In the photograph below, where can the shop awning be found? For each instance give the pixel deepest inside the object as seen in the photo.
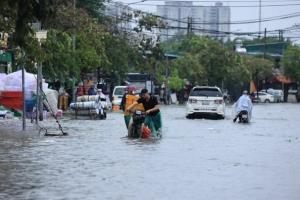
(283, 79)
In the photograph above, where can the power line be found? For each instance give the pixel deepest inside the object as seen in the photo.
(198, 29)
(231, 6)
(251, 21)
(231, 1)
(280, 17)
(274, 18)
(214, 31)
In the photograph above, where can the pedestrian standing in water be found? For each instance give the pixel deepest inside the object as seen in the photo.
(127, 100)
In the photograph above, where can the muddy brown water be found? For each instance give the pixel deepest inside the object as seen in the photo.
(195, 159)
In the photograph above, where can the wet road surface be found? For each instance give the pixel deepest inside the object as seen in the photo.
(195, 159)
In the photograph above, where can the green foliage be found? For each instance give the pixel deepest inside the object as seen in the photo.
(259, 68)
(189, 67)
(92, 7)
(17, 15)
(175, 83)
(118, 53)
(206, 61)
(291, 62)
(60, 62)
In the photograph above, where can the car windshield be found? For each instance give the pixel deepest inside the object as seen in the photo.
(119, 91)
(206, 92)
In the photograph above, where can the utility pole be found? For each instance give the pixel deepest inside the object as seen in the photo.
(74, 33)
(189, 26)
(23, 97)
(40, 87)
(265, 42)
(259, 19)
(74, 47)
(280, 35)
(167, 33)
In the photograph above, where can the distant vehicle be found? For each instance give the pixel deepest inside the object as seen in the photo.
(117, 94)
(293, 91)
(278, 94)
(140, 81)
(205, 100)
(263, 97)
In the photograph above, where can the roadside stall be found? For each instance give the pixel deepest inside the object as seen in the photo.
(11, 96)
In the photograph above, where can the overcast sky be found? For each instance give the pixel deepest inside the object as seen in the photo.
(248, 13)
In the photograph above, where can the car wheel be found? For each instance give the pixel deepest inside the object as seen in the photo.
(267, 101)
(189, 117)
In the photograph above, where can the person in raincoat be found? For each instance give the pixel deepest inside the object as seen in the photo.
(153, 116)
(243, 103)
(127, 100)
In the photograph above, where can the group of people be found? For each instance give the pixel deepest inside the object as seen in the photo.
(146, 102)
(150, 105)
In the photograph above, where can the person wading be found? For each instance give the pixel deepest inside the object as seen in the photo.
(127, 100)
(151, 106)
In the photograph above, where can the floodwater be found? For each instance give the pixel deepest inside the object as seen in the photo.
(195, 159)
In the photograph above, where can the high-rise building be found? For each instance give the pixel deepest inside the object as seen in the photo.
(183, 16)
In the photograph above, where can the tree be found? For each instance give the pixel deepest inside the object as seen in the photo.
(19, 14)
(92, 7)
(291, 62)
(60, 62)
(189, 67)
(175, 83)
(205, 60)
(259, 68)
(208, 62)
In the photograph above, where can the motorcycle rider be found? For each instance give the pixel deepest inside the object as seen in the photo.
(128, 99)
(151, 106)
(243, 103)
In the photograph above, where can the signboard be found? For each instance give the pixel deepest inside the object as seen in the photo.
(41, 35)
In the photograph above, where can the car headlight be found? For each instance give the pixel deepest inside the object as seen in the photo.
(220, 101)
(192, 101)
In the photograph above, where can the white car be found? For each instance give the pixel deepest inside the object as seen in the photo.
(205, 100)
(117, 94)
(278, 94)
(264, 97)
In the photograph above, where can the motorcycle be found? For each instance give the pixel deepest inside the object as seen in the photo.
(243, 116)
(136, 128)
(102, 108)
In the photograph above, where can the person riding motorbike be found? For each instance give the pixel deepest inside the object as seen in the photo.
(243, 104)
(153, 116)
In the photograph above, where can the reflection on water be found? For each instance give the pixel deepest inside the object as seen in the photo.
(195, 159)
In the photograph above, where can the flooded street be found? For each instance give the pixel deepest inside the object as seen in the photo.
(195, 159)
